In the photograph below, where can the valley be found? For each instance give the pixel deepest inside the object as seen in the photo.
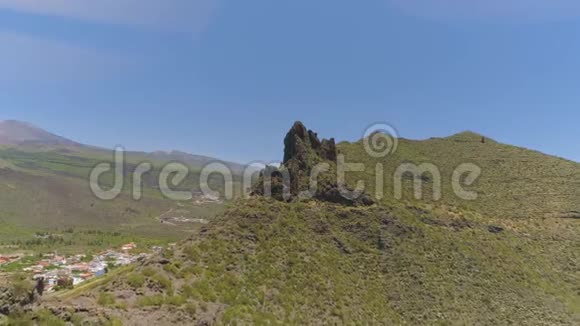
(273, 163)
(46, 204)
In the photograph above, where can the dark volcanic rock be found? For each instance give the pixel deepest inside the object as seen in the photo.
(333, 195)
(495, 229)
(300, 142)
(10, 301)
(303, 152)
(570, 215)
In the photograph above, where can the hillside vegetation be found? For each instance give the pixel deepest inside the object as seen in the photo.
(49, 191)
(515, 182)
(510, 257)
(44, 187)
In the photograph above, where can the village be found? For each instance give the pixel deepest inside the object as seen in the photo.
(5, 260)
(57, 272)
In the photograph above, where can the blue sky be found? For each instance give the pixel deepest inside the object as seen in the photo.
(227, 78)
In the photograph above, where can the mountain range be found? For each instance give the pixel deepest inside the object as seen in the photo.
(21, 133)
(509, 256)
(44, 182)
(17, 133)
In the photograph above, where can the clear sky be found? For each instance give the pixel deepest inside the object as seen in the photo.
(227, 77)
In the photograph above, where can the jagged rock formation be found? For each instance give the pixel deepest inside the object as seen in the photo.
(299, 141)
(303, 152)
(14, 300)
(6, 300)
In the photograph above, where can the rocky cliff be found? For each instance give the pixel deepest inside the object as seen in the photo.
(307, 160)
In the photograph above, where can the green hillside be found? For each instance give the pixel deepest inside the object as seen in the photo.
(46, 188)
(510, 257)
(515, 182)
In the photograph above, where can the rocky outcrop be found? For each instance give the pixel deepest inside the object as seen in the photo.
(301, 143)
(6, 300)
(11, 301)
(573, 215)
(495, 229)
(570, 215)
(303, 152)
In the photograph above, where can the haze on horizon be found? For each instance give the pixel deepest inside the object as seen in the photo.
(227, 79)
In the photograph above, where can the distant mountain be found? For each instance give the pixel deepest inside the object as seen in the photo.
(20, 133)
(183, 157)
(193, 160)
(44, 181)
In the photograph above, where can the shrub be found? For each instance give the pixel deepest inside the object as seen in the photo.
(171, 268)
(106, 299)
(192, 253)
(151, 301)
(203, 289)
(21, 285)
(163, 281)
(76, 320)
(45, 317)
(176, 300)
(191, 309)
(149, 271)
(136, 280)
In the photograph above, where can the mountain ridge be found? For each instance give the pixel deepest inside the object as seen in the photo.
(13, 132)
(20, 133)
(419, 262)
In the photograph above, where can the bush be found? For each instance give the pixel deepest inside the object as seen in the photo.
(171, 268)
(176, 300)
(107, 299)
(149, 271)
(136, 280)
(151, 301)
(43, 317)
(191, 309)
(203, 290)
(192, 253)
(21, 285)
(187, 272)
(163, 281)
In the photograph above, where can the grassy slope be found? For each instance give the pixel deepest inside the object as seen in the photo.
(317, 263)
(48, 189)
(515, 182)
(404, 262)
